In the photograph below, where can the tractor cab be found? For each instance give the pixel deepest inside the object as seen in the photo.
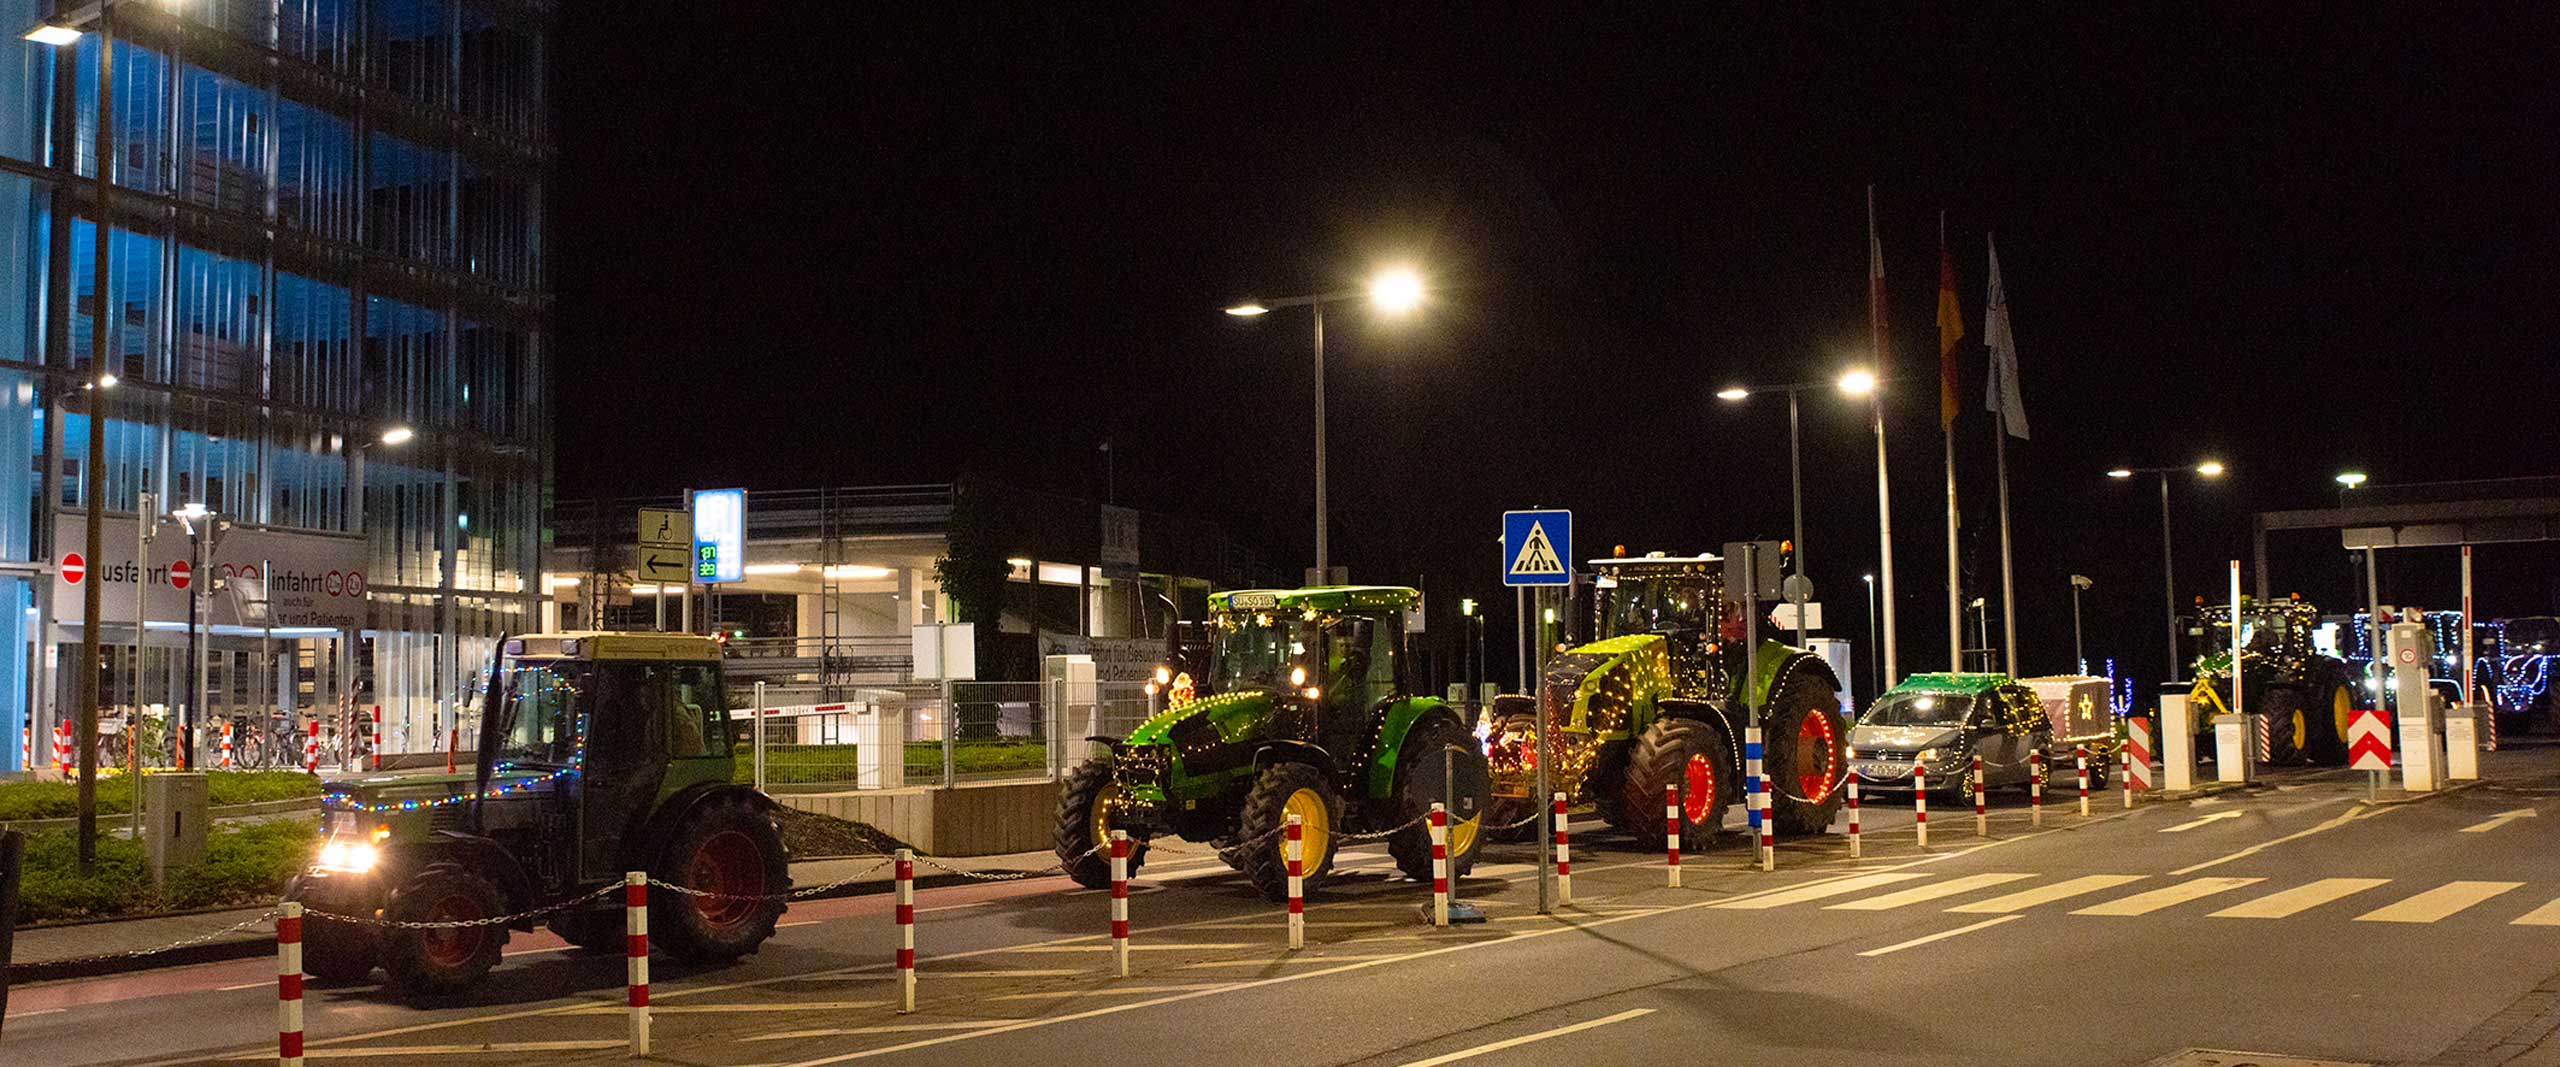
(1327, 660)
(1679, 599)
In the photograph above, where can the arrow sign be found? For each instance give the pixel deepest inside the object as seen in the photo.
(2369, 741)
(2215, 817)
(2500, 819)
(665, 564)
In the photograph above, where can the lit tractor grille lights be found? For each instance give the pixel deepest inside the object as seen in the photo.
(1141, 767)
(347, 802)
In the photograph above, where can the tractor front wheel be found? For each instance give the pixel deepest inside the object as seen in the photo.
(1696, 756)
(442, 958)
(1282, 790)
(726, 846)
(1088, 810)
(1805, 755)
(1422, 779)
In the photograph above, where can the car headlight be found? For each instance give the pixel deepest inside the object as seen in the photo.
(1926, 755)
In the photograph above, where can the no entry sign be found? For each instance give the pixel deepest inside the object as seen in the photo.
(180, 573)
(2369, 741)
(74, 568)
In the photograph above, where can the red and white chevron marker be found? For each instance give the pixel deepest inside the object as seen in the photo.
(1920, 802)
(1854, 849)
(1120, 901)
(2137, 743)
(289, 984)
(1564, 856)
(311, 749)
(1671, 832)
(2035, 787)
(906, 913)
(2369, 741)
(1981, 817)
(635, 950)
(1439, 865)
(1293, 851)
(2082, 754)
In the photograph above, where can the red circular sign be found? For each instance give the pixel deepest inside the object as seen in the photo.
(73, 567)
(355, 583)
(334, 584)
(179, 573)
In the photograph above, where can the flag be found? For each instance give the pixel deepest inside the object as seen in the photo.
(1875, 286)
(2001, 394)
(1950, 328)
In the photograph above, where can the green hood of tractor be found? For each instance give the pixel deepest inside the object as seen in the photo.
(1607, 687)
(1232, 715)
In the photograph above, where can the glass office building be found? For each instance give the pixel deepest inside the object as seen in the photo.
(323, 224)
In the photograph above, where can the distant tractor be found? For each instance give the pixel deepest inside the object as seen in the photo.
(1303, 706)
(1656, 699)
(599, 753)
(2306, 696)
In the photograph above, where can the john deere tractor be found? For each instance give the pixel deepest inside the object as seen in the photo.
(1656, 698)
(599, 753)
(1303, 707)
(2308, 696)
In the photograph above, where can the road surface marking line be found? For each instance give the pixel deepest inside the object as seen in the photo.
(1524, 1039)
(1940, 935)
(777, 926)
(2546, 915)
(2205, 821)
(268, 984)
(47, 1011)
(728, 1009)
(1266, 923)
(1204, 946)
(2437, 903)
(443, 1050)
(2299, 898)
(2021, 901)
(2167, 896)
(955, 907)
(2343, 818)
(889, 1028)
(1851, 884)
(1442, 937)
(2495, 821)
(1921, 893)
(1268, 961)
(509, 955)
(1120, 991)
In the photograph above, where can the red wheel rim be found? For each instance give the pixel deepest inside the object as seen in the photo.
(1817, 758)
(1699, 778)
(456, 946)
(730, 864)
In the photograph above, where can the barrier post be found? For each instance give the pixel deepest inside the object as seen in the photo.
(1439, 864)
(1981, 817)
(2035, 788)
(1920, 802)
(1120, 901)
(1564, 856)
(226, 744)
(906, 912)
(635, 941)
(1671, 832)
(373, 740)
(2124, 767)
(1293, 849)
(289, 984)
(311, 749)
(1854, 850)
(1755, 799)
(2083, 758)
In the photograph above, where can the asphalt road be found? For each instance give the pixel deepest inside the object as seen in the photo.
(2290, 918)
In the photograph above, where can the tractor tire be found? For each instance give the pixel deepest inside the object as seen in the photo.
(1282, 790)
(726, 845)
(1804, 754)
(1085, 805)
(334, 951)
(1693, 754)
(2283, 749)
(1514, 737)
(1418, 786)
(2326, 706)
(590, 931)
(424, 962)
(1605, 786)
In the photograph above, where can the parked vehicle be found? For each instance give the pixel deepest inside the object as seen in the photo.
(2306, 694)
(1942, 722)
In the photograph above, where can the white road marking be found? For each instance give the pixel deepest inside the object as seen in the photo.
(2213, 818)
(2546, 915)
(1940, 935)
(565, 948)
(1851, 884)
(1524, 1039)
(1114, 991)
(891, 1028)
(922, 969)
(30, 1014)
(1275, 924)
(442, 1050)
(1920, 893)
(268, 984)
(1268, 961)
(795, 922)
(1135, 946)
(2436, 903)
(2344, 817)
(2167, 896)
(2500, 819)
(2299, 898)
(734, 1009)
(2021, 901)
(955, 907)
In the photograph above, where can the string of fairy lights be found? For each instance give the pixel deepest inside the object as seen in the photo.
(551, 686)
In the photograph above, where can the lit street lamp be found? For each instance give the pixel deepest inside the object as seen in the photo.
(1797, 588)
(1863, 383)
(1395, 291)
(2168, 564)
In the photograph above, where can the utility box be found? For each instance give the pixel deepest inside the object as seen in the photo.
(2235, 755)
(174, 821)
(2462, 742)
(2177, 741)
(880, 745)
(2421, 723)
(1843, 661)
(1072, 708)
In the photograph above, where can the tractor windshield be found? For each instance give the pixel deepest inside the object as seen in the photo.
(2264, 631)
(1919, 709)
(538, 707)
(1653, 606)
(1253, 650)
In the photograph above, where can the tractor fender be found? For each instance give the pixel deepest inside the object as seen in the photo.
(1305, 752)
(672, 813)
(480, 855)
(1727, 716)
(1776, 662)
(1395, 721)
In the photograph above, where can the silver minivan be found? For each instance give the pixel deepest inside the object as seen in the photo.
(1943, 728)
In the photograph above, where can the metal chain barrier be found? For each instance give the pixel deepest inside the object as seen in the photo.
(459, 924)
(1530, 818)
(263, 919)
(790, 894)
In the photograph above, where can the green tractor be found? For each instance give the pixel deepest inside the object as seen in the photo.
(599, 753)
(1655, 699)
(1303, 707)
(2308, 696)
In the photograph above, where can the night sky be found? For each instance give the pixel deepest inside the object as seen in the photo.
(810, 244)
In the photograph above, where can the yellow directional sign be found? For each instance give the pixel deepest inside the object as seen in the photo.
(666, 546)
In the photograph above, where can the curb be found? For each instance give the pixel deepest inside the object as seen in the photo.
(234, 811)
(2406, 797)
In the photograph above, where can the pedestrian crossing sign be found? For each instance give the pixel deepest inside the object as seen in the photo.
(1537, 547)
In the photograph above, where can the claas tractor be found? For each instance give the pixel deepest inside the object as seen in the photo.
(599, 753)
(1656, 698)
(1302, 705)
(2307, 696)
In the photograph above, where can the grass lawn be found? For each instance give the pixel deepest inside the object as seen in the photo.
(243, 864)
(60, 800)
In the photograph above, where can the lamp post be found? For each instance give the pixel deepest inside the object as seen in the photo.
(2168, 563)
(1797, 588)
(1396, 290)
(2078, 583)
(1875, 685)
(1863, 383)
(204, 530)
(2371, 589)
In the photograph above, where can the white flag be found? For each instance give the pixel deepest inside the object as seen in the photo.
(2001, 393)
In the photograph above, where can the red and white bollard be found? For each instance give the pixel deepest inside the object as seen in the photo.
(1120, 901)
(2124, 762)
(1756, 799)
(2083, 757)
(289, 984)
(1293, 851)
(1439, 864)
(905, 860)
(1854, 849)
(1920, 802)
(373, 741)
(1564, 856)
(226, 744)
(635, 950)
(1981, 817)
(1671, 833)
(62, 748)
(311, 749)
(2035, 788)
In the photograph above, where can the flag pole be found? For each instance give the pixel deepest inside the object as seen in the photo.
(1947, 437)
(1884, 493)
(2008, 580)
(2010, 417)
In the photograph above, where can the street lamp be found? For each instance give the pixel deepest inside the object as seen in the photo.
(204, 530)
(1863, 383)
(2078, 583)
(1875, 684)
(1796, 588)
(2168, 565)
(1395, 290)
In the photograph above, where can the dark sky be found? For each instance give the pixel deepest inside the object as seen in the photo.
(805, 244)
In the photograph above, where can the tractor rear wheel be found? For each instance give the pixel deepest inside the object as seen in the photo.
(726, 846)
(1088, 809)
(2326, 706)
(1804, 745)
(442, 959)
(1693, 754)
(1419, 784)
(1282, 790)
(1513, 748)
(2288, 726)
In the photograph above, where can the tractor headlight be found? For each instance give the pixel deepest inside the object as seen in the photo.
(347, 857)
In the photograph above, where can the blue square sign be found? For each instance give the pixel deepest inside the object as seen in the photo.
(1537, 548)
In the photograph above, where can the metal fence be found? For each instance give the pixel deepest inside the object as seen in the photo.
(891, 737)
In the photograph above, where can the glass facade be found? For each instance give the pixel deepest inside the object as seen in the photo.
(324, 223)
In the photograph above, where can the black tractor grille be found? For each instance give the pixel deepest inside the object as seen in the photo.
(448, 817)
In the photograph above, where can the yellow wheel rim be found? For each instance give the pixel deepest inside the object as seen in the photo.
(1462, 836)
(1315, 822)
(2341, 709)
(2301, 730)
(1105, 801)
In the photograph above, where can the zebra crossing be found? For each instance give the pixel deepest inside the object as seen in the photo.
(2372, 900)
